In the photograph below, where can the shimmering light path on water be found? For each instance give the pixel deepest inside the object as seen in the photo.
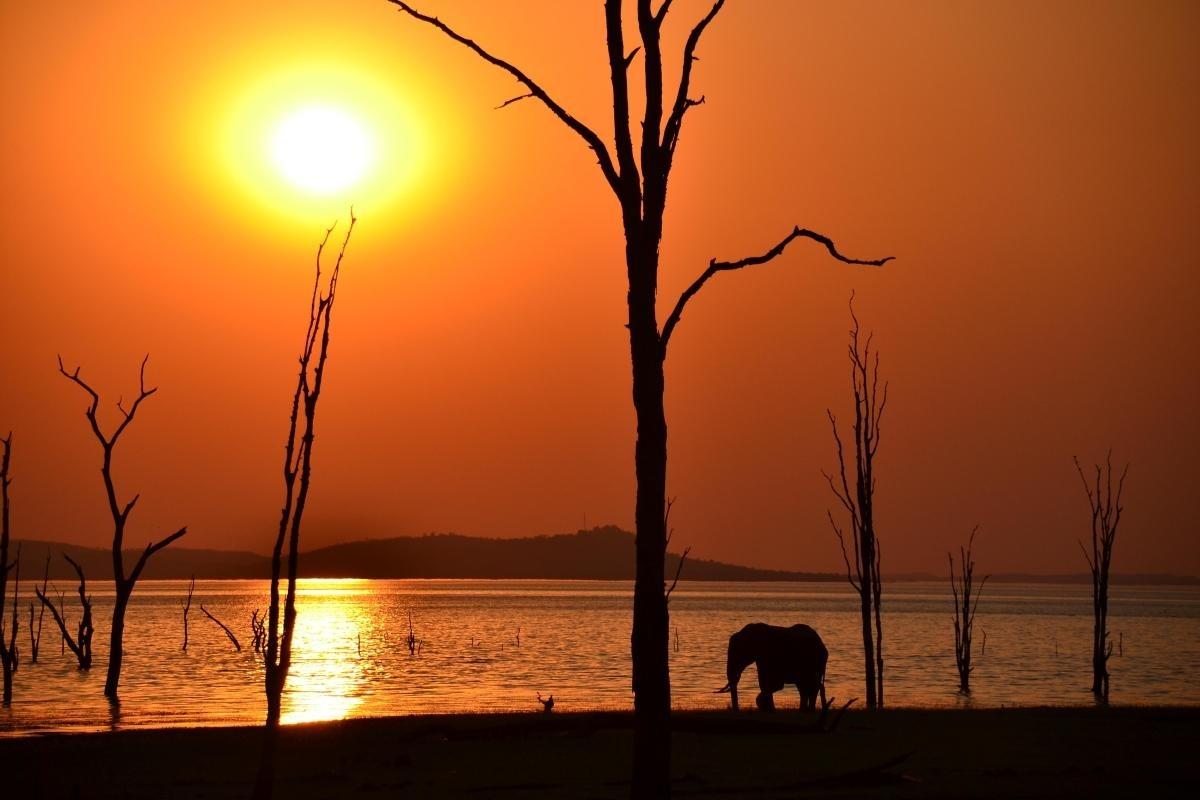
(351, 660)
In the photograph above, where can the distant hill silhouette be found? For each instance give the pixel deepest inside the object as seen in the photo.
(604, 553)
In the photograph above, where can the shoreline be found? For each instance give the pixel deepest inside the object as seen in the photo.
(1004, 752)
(470, 717)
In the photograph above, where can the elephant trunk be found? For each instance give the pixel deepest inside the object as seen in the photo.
(735, 675)
(739, 656)
(731, 690)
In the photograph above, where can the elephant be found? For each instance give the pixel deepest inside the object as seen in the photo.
(783, 655)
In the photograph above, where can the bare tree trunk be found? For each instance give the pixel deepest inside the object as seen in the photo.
(8, 649)
(35, 632)
(187, 606)
(123, 582)
(297, 465)
(1105, 504)
(868, 641)
(877, 604)
(859, 502)
(963, 589)
(638, 178)
(116, 646)
(651, 621)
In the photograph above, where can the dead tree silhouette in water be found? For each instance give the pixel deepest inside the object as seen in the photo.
(8, 649)
(233, 639)
(963, 588)
(297, 476)
(638, 178)
(258, 629)
(35, 632)
(81, 644)
(859, 501)
(187, 606)
(1106, 515)
(123, 582)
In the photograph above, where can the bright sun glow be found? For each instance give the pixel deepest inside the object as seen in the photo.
(303, 142)
(321, 150)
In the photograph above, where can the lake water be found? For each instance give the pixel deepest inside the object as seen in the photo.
(350, 658)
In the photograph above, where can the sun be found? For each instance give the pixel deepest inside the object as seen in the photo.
(321, 149)
(302, 142)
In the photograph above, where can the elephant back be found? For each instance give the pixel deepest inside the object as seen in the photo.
(810, 640)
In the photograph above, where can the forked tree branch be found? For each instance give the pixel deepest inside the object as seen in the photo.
(587, 134)
(715, 266)
(143, 393)
(150, 550)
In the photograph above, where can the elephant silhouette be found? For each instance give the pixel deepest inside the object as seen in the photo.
(793, 655)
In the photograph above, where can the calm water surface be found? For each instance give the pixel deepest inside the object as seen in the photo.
(350, 659)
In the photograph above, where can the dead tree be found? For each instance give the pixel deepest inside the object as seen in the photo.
(187, 606)
(1106, 515)
(638, 177)
(963, 588)
(81, 643)
(859, 501)
(411, 639)
(258, 629)
(8, 647)
(297, 477)
(233, 639)
(124, 582)
(35, 632)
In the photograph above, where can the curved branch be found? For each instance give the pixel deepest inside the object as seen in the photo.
(715, 266)
(681, 105)
(587, 134)
(237, 645)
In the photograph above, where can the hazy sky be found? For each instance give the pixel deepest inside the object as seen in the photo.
(1031, 165)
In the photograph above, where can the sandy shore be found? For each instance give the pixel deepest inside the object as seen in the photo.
(1123, 752)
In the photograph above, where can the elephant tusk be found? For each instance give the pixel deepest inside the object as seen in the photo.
(724, 690)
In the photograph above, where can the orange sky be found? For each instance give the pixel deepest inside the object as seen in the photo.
(1032, 166)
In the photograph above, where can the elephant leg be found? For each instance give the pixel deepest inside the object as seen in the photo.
(806, 700)
(767, 686)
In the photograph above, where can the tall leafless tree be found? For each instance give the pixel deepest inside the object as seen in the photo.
(859, 501)
(8, 649)
(297, 477)
(1105, 504)
(124, 582)
(638, 177)
(81, 643)
(963, 588)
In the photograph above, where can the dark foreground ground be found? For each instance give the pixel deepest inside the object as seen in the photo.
(1127, 752)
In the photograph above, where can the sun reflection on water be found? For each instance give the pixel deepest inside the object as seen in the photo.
(326, 680)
